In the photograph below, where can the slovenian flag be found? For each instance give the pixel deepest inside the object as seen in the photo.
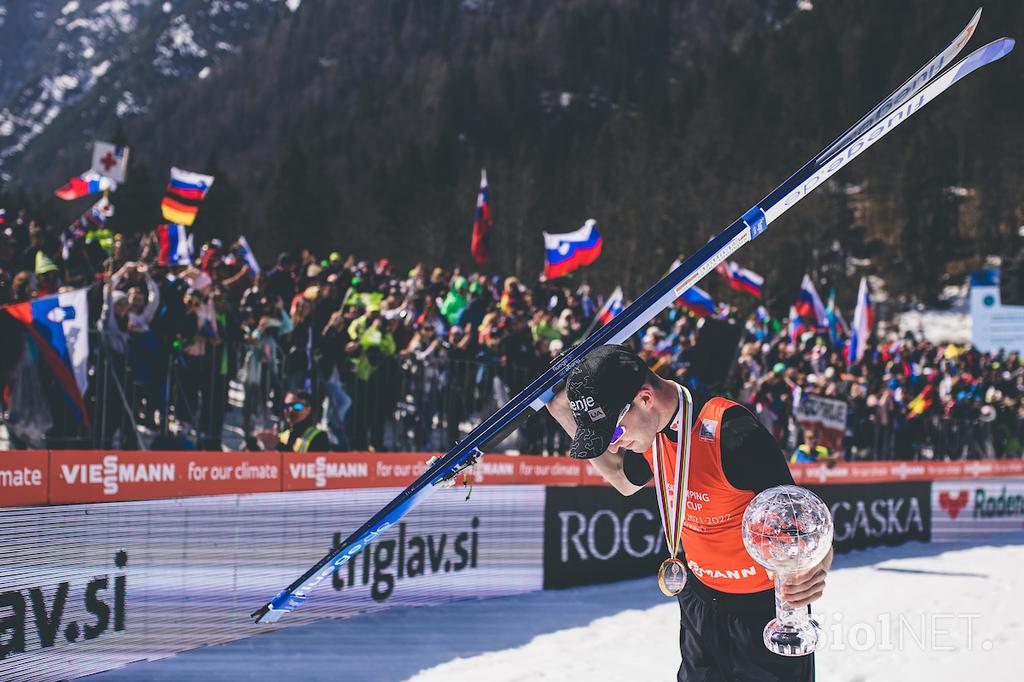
(569, 250)
(863, 323)
(89, 182)
(247, 254)
(698, 302)
(185, 193)
(482, 223)
(175, 245)
(59, 325)
(741, 279)
(809, 305)
(611, 308)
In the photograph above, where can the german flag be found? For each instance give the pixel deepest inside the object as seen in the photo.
(185, 192)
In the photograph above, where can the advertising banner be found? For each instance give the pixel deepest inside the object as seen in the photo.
(879, 514)
(974, 509)
(340, 470)
(67, 477)
(90, 587)
(596, 535)
(881, 472)
(23, 478)
(97, 476)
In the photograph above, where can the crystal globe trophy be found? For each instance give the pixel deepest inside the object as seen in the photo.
(788, 530)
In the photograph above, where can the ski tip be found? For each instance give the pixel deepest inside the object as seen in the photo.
(968, 31)
(266, 614)
(986, 54)
(998, 49)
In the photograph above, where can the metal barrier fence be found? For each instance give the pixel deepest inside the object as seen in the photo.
(162, 396)
(940, 438)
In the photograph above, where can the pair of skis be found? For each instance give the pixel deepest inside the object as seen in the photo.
(924, 86)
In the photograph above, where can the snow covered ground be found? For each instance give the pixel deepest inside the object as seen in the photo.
(915, 612)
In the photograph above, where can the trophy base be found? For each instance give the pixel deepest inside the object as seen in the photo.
(797, 639)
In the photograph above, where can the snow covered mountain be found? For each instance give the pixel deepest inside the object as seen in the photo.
(70, 68)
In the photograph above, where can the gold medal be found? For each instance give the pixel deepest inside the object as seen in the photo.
(672, 577)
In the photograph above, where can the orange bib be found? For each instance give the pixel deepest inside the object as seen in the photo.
(712, 538)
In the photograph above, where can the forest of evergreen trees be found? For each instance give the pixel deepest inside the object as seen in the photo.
(362, 126)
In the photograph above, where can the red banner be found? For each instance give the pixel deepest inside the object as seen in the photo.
(334, 470)
(90, 476)
(23, 478)
(62, 477)
(880, 472)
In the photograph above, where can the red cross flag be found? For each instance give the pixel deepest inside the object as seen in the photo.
(110, 160)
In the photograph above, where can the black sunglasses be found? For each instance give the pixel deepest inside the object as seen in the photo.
(297, 406)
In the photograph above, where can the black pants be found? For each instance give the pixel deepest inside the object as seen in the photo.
(720, 640)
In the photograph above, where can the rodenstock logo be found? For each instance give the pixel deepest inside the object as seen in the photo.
(953, 504)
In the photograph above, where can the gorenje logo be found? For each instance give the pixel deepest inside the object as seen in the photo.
(996, 506)
(409, 556)
(112, 472)
(583, 404)
(14, 606)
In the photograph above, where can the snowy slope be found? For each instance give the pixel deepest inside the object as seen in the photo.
(919, 612)
(889, 614)
(91, 62)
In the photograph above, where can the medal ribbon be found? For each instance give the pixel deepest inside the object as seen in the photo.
(673, 511)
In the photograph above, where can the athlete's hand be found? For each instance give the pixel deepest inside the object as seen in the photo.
(807, 587)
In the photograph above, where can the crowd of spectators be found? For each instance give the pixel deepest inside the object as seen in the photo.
(410, 359)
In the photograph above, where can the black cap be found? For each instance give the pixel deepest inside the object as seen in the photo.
(598, 389)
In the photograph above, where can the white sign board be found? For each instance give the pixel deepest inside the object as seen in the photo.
(90, 587)
(994, 326)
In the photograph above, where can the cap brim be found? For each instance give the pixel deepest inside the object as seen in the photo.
(591, 442)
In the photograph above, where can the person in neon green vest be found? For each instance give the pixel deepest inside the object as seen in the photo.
(811, 450)
(302, 434)
(371, 340)
(372, 344)
(456, 300)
